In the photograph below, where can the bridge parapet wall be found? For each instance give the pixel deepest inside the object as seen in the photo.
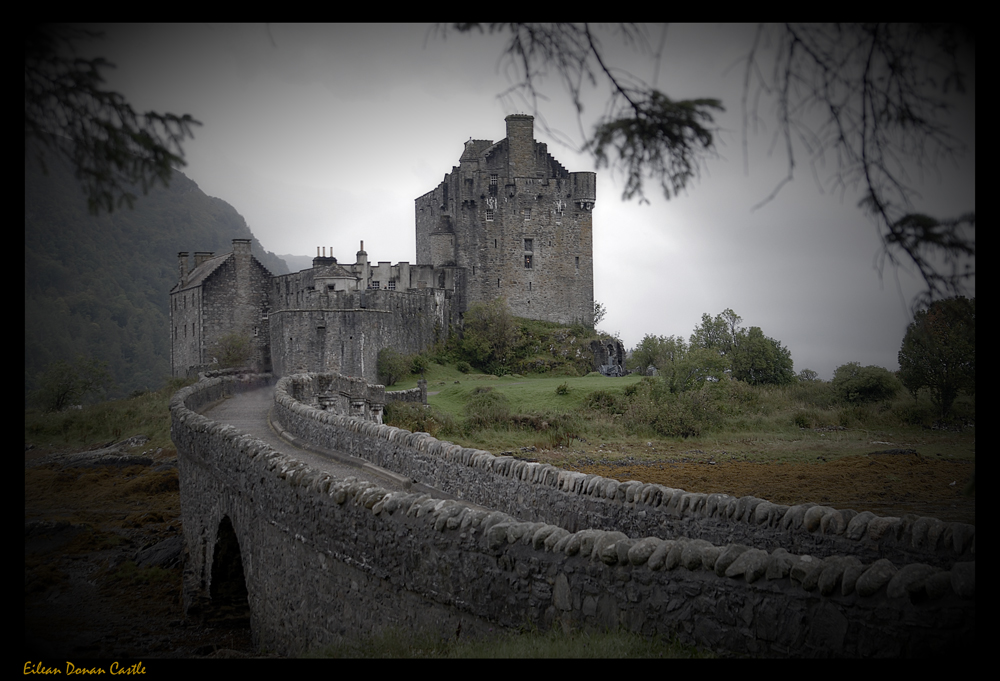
(326, 558)
(544, 493)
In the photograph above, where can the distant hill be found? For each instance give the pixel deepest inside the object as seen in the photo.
(297, 263)
(98, 286)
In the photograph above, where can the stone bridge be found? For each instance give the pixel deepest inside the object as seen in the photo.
(480, 542)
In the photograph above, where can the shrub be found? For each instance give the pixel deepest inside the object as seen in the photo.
(419, 418)
(855, 384)
(604, 401)
(419, 364)
(562, 389)
(63, 384)
(391, 366)
(464, 367)
(674, 418)
(232, 350)
(486, 408)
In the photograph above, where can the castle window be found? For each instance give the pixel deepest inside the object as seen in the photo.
(527, 262)
(489, 215)
(375, 285)
(392, 285)
(529, 244)
(493, 179)
(577, 262)
(527, 213)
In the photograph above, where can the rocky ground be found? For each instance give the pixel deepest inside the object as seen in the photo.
(102, 543)
(102, 556)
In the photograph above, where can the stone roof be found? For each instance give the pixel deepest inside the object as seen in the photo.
(198, 275)
(333, 270)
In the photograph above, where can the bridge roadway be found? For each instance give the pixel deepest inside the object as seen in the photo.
(251, 413)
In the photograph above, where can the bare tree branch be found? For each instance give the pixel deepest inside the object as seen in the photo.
(66, 112)
(869, 97)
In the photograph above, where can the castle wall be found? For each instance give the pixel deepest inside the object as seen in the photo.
(185, 331)
(344, 331)
(326, 559)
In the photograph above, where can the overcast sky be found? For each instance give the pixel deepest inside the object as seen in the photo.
(323, 135)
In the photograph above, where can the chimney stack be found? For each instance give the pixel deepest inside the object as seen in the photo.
(182, 264)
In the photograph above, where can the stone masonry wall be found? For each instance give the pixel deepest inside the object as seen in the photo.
(326, 558)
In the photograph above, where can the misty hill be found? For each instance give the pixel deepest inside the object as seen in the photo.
(97, 286)
(297, 263)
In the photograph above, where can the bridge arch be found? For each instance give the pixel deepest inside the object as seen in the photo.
(229, 602)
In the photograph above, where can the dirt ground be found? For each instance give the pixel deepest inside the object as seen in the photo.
(86, 525)
(85, 597)
(887, 484)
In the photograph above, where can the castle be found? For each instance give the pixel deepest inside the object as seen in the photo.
(508, 221)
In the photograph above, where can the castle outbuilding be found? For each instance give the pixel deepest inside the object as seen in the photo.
(508, 221)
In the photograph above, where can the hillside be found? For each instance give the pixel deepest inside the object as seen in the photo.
(96, 286)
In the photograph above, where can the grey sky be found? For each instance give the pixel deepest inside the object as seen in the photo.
(323, 135)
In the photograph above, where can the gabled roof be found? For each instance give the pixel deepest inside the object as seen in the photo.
(334, 270)
(198, 275)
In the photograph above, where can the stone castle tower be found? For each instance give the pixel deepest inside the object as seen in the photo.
(519, 225)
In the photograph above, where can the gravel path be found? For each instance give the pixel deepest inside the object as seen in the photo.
(250, 413)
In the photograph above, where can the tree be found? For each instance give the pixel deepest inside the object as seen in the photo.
(391, 366)
(599, 313)
(856, 384)
(63, 384)
(939, 351)
(232, 350)
(717, 334)
(759, 360)
(807, 376)
(657, 351)
(748, 354)
(868, 95)
(66, 112)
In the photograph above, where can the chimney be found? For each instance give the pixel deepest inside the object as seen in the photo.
(182, 264)
(201, 256)
(324, 259)
(241, 246)
(521, 145)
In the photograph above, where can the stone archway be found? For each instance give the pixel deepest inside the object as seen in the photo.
(229, 605)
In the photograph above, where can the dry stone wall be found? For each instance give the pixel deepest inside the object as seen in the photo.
(326, 558)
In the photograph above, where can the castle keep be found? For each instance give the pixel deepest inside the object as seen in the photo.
(517, 224)
(508, 221)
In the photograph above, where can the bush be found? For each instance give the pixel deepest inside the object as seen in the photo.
(464, 367)
(232, 350)
(63, 384)
(486, 408)
(419, 418)
(562, 389)
(855, 384)
(419, 364)
(391, 366)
